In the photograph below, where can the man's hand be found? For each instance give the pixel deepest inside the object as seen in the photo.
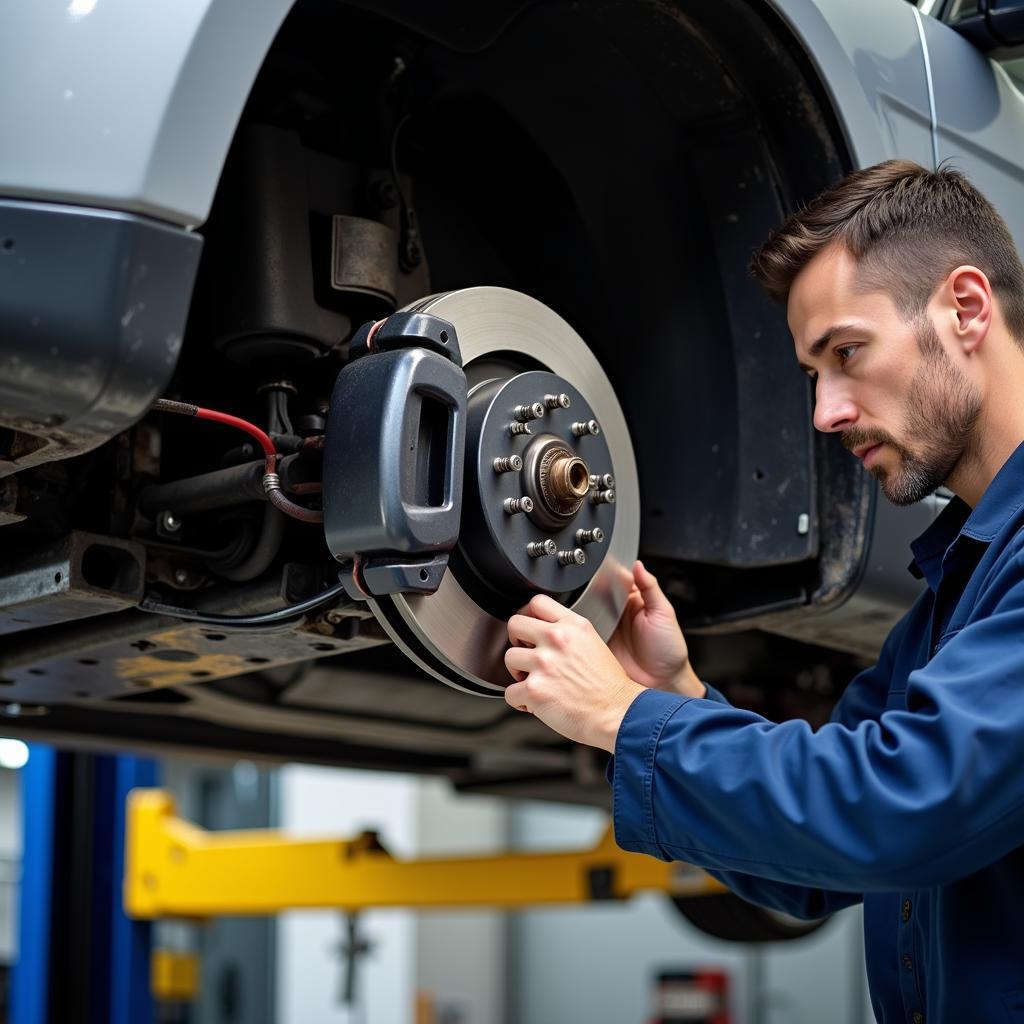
(567, 675)
(649, 643)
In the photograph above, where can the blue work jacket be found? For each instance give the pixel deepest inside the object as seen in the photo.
(911, 799)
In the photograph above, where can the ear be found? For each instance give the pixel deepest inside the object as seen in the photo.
(970, 296)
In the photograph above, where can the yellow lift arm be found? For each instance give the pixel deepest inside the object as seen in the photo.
(174, 869)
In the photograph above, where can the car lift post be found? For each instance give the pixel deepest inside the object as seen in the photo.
(174, 869)
(80, 958)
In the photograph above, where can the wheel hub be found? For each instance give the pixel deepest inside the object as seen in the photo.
(509, 516)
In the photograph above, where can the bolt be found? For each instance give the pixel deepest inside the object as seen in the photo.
(537, 548)
(603, 497)
(169, 522)
(607, 481)
(334, 616)
(519, 428)
(508, 464)
(525, 413)
(803, 523)
(514, 505)
(590, 427)
(562, 401)
(181, 576)
(594, 536)
(575, 557)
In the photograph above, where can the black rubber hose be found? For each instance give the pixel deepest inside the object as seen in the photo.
(263, 553)
(220, 489)
(278, 617)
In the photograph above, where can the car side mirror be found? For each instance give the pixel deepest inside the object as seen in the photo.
(990, 24)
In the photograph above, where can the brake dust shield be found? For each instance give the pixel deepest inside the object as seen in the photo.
(539, 400)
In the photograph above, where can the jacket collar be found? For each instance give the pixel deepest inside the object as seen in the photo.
(1002, 498)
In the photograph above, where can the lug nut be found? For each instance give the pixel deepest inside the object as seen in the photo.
(604, 497)
(508, 464)
(575, 557)
(594, 536)
(590, 427)
(525, 413)
(514, 505)
(537, 548)
(562, 401)
(519, 428)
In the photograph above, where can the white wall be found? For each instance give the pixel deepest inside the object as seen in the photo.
(461, 956)
(10, 861)
(328, 802)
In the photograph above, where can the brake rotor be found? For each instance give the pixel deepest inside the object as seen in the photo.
(560, 515)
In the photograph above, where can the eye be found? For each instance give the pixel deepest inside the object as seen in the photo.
(845, 352)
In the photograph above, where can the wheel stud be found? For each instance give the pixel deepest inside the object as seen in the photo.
(525, 413)
(590, 427)
(603, 497)
(508, 464)
(514, 505)
(594, 536)
(538, 548)
(519, 428)
(575, 557)
(562, 401)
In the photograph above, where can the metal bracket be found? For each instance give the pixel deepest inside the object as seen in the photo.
(175, 869)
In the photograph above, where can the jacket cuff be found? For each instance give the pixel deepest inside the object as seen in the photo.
(631, 771)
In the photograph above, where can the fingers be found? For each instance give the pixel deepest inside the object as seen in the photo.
(519, 661)
(524, 629)
(653, 595)
(546, 608)
(515, 696)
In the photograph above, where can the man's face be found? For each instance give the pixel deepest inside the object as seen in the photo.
(888, 387)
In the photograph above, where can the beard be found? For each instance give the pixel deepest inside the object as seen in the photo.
(942, 412)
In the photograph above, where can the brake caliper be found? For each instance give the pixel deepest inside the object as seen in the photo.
(393, 456)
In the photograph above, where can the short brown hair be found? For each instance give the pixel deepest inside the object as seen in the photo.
(907, 228)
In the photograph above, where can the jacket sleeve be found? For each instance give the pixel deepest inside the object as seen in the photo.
(863, 698)
(912, 797)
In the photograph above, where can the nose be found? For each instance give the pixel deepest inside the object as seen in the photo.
(834, 410)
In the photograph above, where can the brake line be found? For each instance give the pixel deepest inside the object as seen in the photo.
(279, 617)
(271, 479)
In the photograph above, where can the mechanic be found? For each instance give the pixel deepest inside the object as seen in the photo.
(905, 298)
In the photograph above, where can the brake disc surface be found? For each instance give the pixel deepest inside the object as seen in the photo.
(517, 352)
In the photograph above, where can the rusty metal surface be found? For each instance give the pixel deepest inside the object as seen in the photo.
(80, 576)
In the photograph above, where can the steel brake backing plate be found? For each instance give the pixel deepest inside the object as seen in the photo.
(550, 497)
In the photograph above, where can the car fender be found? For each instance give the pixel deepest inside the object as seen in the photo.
(125, 105)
